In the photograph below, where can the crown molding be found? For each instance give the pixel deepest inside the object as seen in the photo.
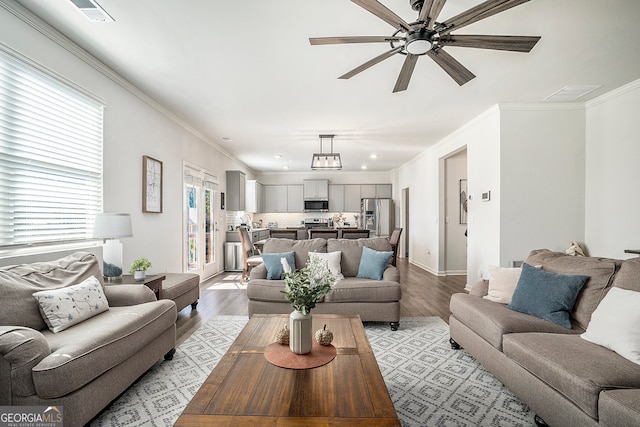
(622, 90)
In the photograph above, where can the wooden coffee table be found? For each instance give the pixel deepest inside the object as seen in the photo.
(245, 389)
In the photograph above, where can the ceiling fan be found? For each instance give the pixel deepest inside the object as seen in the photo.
(428, 37)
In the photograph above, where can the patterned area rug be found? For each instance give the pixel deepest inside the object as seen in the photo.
(430, 384)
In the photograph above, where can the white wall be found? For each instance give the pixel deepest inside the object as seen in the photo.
(613, 173)
(542, 175)
(133, 126)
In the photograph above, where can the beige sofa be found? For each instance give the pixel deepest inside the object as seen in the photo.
(82, 368)
(565, 379)
(373, 300)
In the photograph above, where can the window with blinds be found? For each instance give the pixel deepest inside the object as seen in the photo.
(50, 156)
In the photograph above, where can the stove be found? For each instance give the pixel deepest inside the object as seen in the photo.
(316, 222)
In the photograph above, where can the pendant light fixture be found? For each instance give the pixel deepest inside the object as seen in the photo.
(326, 161)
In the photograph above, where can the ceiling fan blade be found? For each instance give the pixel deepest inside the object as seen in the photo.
(424, 12)
(430, 11)
(384, 13)
(456, 70)
(510, 43)
(353, 39)
(405, 73)
(371, 62)
(477, 13)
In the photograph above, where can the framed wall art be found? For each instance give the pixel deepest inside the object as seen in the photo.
(463, 201)
(151, 185)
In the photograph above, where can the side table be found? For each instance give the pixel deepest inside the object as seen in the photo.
(152, 281)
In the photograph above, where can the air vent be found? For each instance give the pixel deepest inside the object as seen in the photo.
(92, 10)
(571, 93)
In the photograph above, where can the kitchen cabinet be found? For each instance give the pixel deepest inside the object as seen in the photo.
(295, 198)
(254, 200)
(275, 198)
(258, 234)
(317, 189)
(336, 198)
(236, 181)
(375, 191)
(352, 198)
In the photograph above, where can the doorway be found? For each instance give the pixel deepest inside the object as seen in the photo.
(404, 223)
(455, 213)
(200, 225)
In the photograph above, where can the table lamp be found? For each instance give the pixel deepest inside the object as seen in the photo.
(110, 227)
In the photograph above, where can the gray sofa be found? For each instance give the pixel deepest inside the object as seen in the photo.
(565, 379)
(373, 300)
(82, 368)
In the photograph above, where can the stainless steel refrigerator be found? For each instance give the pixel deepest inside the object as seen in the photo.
(377, 215)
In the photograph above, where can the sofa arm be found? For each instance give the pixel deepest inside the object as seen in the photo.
(258, 272)
(21, 349)
(480, 289)
(391, 274)
(124, 295)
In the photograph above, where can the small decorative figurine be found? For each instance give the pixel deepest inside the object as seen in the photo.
(282, 337)
(324, 336)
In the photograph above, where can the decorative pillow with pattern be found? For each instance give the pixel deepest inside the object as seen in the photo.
(64, 307)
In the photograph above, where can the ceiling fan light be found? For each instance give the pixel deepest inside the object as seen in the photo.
(418, 46)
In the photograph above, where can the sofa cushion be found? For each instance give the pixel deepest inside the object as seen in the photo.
(616, 324)
(577, 369)
(87, 350)
(364, 290)
(176, 284)
(19, 282)
(301, 248)
(619, 407)
(629, 275)
(65, 307)
(502, 283)
(600, 271)
(333, 262)
(267, 290)
(352, 251)
(547, 295)
(273, 262)
(373, 263)
(493, 321)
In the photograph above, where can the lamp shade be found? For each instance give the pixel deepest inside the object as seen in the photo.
(112, 226)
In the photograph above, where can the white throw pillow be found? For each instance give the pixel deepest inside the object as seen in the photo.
(502, 283)
(64, 307)
(333, 259)
(615, 323)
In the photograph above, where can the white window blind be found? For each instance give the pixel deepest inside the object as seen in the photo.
(50, 157)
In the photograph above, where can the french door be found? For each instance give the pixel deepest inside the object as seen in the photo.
(200, 225)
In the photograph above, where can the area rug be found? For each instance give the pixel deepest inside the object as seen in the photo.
(430, 384)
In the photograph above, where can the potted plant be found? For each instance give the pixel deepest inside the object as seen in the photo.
(139, 267)
(303, 289)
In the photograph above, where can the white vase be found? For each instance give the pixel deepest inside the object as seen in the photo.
(300, 333)
(139, 275)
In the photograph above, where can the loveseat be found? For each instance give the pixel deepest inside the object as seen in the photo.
(372, 299)
(85, 365)
(565, 377)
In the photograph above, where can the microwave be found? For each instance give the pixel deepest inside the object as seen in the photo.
(316, 205)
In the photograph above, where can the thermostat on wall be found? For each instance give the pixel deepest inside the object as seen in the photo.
(486, 196)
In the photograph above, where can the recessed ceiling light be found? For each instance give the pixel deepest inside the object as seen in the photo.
(363, 167)
(285, 167)
(278, 156)
(226, 138)
(374, 156)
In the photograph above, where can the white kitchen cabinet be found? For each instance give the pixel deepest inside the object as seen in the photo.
(254, 200)
(383, 191)
(317, 189)
(236, 182)
(352, 198)
(275, 198)
(336, 198)
(295, 198)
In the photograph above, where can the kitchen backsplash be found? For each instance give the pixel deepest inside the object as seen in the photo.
(284, 220)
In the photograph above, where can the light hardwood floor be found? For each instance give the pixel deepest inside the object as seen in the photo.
(423, 294)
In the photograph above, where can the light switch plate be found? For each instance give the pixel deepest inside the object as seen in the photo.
(486, 196)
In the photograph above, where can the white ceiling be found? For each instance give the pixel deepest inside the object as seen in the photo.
(245, 70)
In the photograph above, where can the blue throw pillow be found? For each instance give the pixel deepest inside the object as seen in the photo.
(547, 295)
(274, 266)
(373, 263)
